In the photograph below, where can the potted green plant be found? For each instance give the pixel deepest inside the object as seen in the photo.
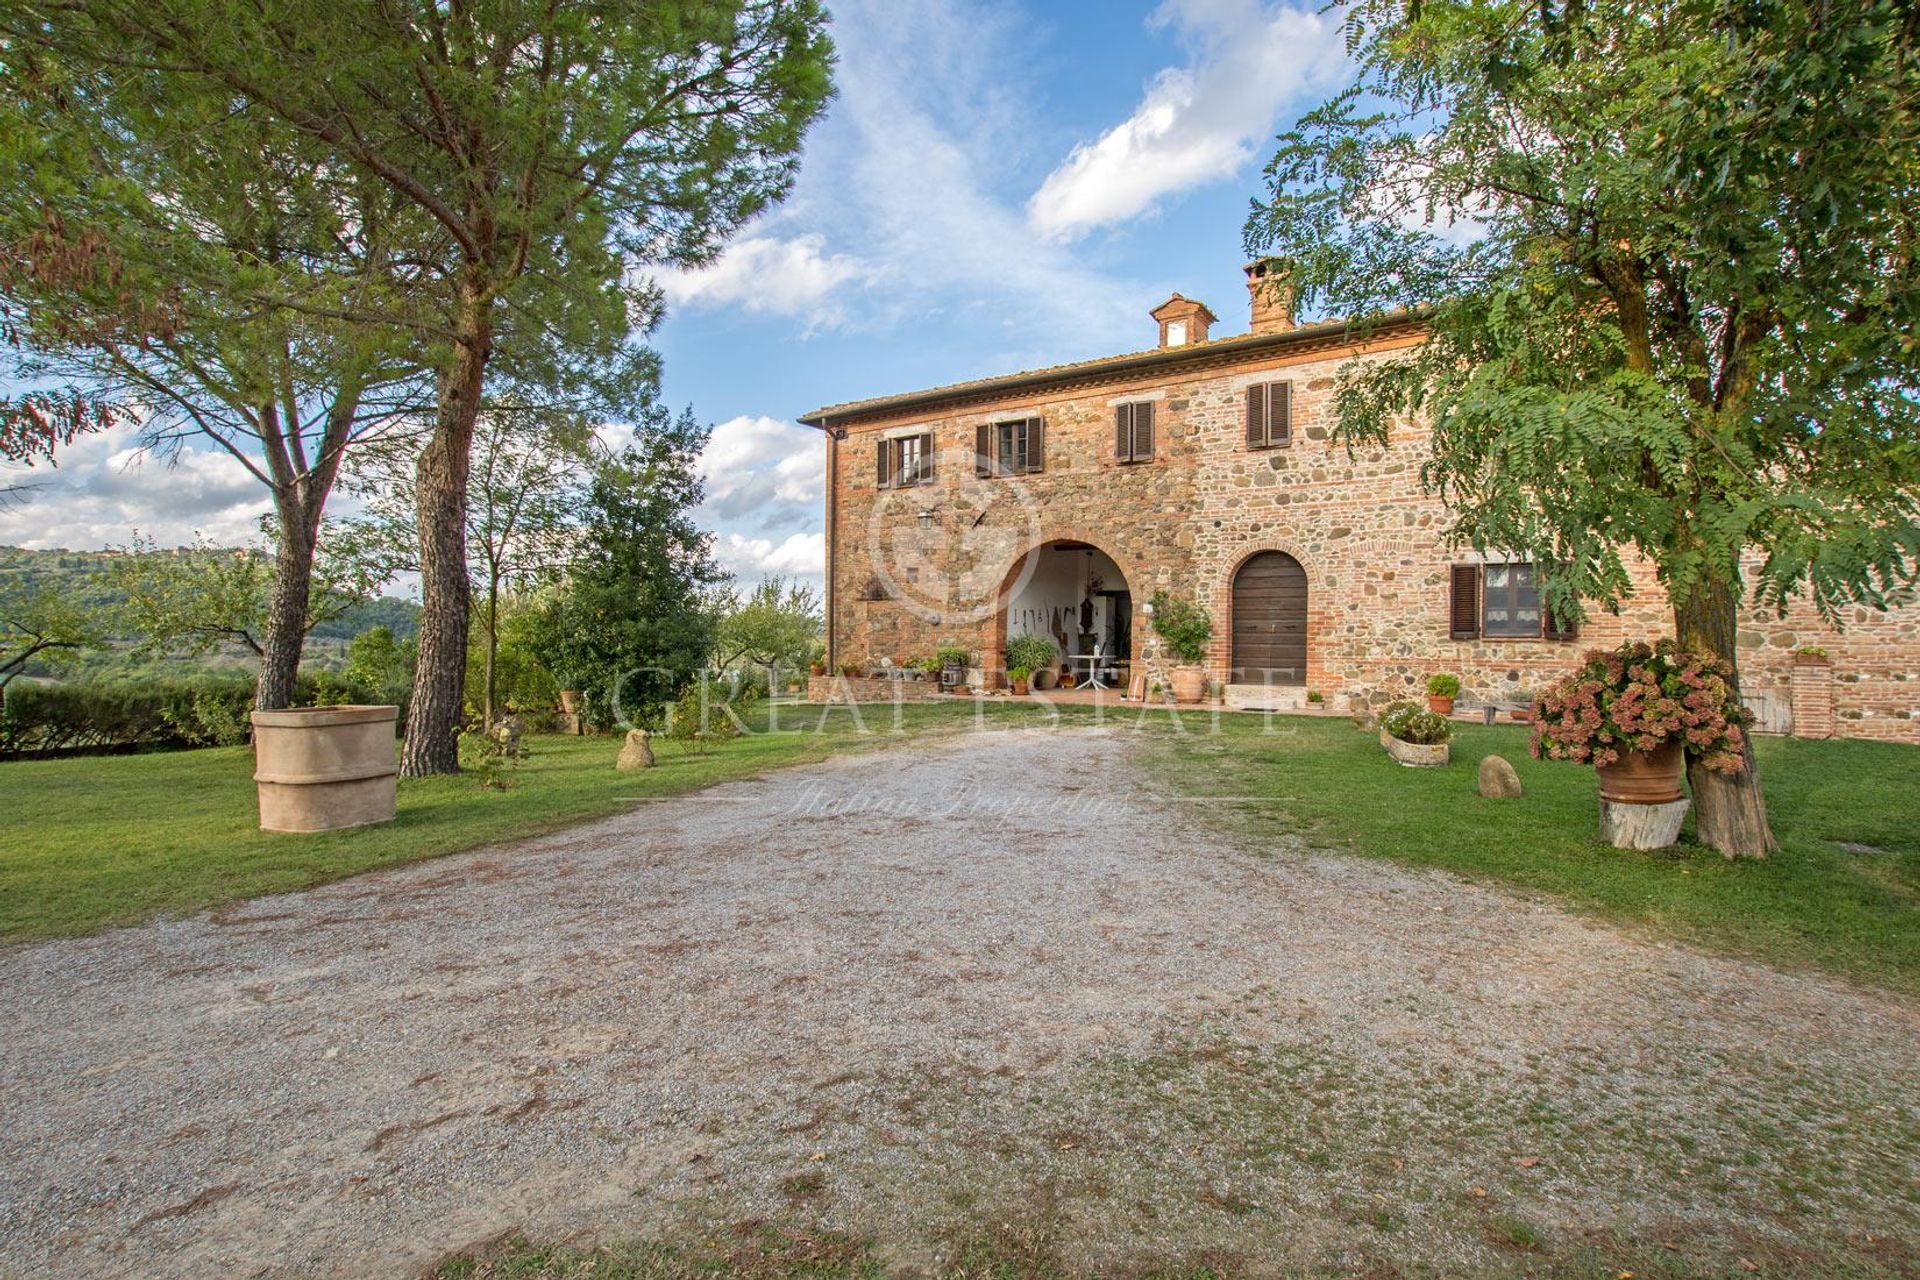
(1186, 627)
(1037, 655)
(1018, 676)
(1442, 689)
(954, 660)
(1637, 714)
(1415, 738)
(851, 669)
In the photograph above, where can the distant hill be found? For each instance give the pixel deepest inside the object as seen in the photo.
(74, 574)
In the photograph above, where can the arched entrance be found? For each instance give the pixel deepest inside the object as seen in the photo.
(1270, 620)
(1078, 597)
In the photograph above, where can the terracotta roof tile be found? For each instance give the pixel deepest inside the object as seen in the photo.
(1196, 352)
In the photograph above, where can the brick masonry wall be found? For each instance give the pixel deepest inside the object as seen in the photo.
(917, 567)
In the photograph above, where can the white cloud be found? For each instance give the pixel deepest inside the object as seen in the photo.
(105, 488)
(764, 480)
(1199, 123)
(924, 164)
(766, 275)
(802, 555)
(755, 465)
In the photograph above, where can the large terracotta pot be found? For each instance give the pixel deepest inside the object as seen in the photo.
(1045, 678)
(323, 768)
(1644, 777)
(1189, 683)
(1438, 705)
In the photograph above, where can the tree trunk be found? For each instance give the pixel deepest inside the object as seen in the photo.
(493, 648)
(440, 675)
(1729, 810)
(287, 610)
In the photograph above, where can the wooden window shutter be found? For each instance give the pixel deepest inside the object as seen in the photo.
(983, 450)
(886, 464)
(1554, 627)
(1036, 445)
(1280, 413)
(1123, 433)
(1257, 416)
(1143, 432)
(926, 456)
(1464, 602)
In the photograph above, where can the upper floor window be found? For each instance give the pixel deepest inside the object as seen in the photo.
(1133, 432)
(1009, 448)
(1501, 602)
(905, 460)
(1269, 415)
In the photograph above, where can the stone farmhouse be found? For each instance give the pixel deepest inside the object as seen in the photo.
(1060, 500)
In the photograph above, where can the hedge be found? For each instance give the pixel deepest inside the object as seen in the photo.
(201, 711)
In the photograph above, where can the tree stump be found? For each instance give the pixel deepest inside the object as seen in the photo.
(1641, 826)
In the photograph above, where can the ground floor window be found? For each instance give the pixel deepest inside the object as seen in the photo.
(1510, 603)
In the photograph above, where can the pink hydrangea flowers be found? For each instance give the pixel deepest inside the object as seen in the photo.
(1636, 698)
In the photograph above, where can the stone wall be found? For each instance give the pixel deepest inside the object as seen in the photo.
(922, 565)
(867, 689)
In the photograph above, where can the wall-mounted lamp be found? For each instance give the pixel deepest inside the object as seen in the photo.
(926, 518)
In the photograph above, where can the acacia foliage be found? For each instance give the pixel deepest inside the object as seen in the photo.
(1666, 258)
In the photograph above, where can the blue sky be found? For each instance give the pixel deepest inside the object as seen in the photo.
(998, 185)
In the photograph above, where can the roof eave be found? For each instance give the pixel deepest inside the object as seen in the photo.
(989, 388)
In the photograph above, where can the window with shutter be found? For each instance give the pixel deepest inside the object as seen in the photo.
(1464, 602)
(905, 460)
(1133, 432)
(1269, 415)
(1008, 448)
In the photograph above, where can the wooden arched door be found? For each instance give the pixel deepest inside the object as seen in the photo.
(1270, 620)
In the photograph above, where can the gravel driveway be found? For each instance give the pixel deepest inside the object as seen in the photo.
(997, 975)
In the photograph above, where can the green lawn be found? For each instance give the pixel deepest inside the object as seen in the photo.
(1843, 893)
(105, 840)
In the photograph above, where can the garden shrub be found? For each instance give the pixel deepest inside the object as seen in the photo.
(1184, 625)
(60, 719)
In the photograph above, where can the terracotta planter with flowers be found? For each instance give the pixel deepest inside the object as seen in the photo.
(1637, 714)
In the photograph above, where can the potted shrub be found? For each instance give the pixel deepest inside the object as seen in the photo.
(851, 669)
(1442, 689)
(1636, 714)
(1036, 654)
(954, 661)
(1186, 627)
(1415, 738)
(1019, 676)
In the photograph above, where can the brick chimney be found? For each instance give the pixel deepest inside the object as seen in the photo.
(1271, 296)
(1182, 321)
